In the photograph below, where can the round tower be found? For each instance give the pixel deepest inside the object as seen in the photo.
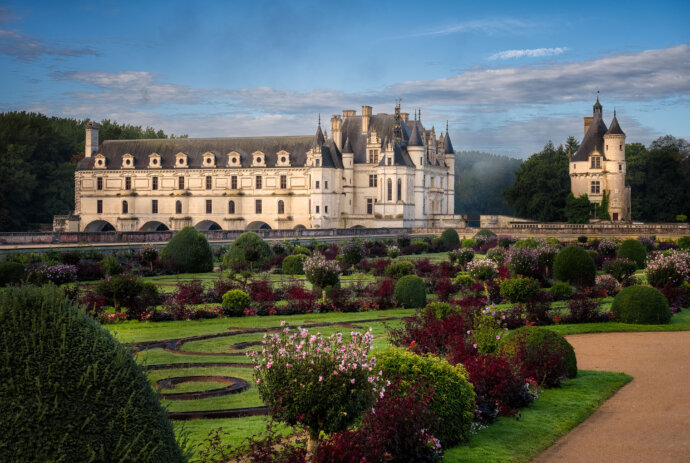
(614, 153)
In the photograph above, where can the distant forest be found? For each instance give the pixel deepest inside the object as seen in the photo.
(38, 155)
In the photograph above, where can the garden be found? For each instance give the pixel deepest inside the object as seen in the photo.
(406, 349)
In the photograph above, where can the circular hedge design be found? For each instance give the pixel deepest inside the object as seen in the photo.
(641, 304)
(574, 265)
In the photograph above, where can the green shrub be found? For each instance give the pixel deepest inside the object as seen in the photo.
(321, 272)
(561, 291)
(641, 304)
(485, 233)
(234, 302)
(450, 237)
(11, 273)
(520, 289)
(292, 265)
(582, 239)
(461, 256)
(468, 243)
(453, 402)
(149, 254)
(410, 292)
(541, 354)
(189, 251)
(633, 250)
(111, 266)
(684, 242)
(620, 269)
(574, 265)
(301, 250)
(353, 252)
(321, 247)
(424, 244)
(120, 290)
(440, 309)
(69, 391)
(400, 268)
(393, 252)
(464, 280)
(248, 252)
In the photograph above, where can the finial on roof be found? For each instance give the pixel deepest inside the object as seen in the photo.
(319, 119)
(446, 125)
(420, 114)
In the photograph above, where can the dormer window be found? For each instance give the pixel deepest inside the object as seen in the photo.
(209, 160)
(127, 161)
(234, 159)
(181, 160)
(317, 162)
(99, 161)
(154, 161)
(282, 158)
(258, 159)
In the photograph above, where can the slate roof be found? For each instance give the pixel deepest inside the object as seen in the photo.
(594, 139)
(615, 128)
(415, 137)
(447, 145)
(383, 125)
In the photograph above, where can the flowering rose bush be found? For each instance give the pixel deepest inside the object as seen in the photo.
(607, 248)
(321, 272)
(523, 261)
(482, 269)
(58, 274)
(672, 268)
(323, 383)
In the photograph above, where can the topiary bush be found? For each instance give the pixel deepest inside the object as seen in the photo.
(450, 237)
(468, 243)
(301, 250)
(641, 304)
(561, 291)
(519, 289)
(453, 401)
(189, 251)
(292, 265)
(248, 252)
(574, 265)
(540, 354)
(11, 273)
(634, 250)
(399, 269)
(234, 302)
(410, 292)
(70, 391)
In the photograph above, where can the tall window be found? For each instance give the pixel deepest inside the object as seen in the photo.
(258, 182)
(325, 209)
(233, 182)
(317, 162)
(178, 207)
(180, 183)
(154, 183)
(99, 183)
(373, 181)
(390, 160)
(258, 206)
(99, 206)
(390, 190)
(209, 182)
(317, 184)
(620, 167)
(281, 207)
(596, 188)
(209, 206)
(231, 207)
(125, 207)
(325, 184)
(128, 183)
(370, 206)
(399, 190)
(596, 162)
(317, 208)
(154, 206)
(283, 181)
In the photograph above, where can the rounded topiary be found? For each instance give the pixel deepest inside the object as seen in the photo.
(353, 252)
(574, 265)
(399, 269)
(641, 304)
(468, 243)
(189, 251)
(540, 354)
(519, 289)
(450, 237)
(453, 401)
(292, 265)
(70, 391)
(561, 291)
(410, 292)
(684, 242)
(235, 301)
(301, 250)
(248, 251)
(11, 273)
(634, 250)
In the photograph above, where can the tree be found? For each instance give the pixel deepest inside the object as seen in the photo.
(603, 213)
(479, 180)
(542, 185)
(577, 209)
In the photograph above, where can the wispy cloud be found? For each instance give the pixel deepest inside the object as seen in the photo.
(486, 26)
(528, 52)
(27, 48)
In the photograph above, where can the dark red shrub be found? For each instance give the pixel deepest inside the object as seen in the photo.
(89, 271)
(382, 293)
(583, 309)
(299, 299)
(261, 292)
(92, 303)
(677, 297)
(412, 249)
(444, 289)
(379, 266)
(377, 249)
(332, 252)
(220, 287)
(424, 268)
(446, 270)
(503, 272)
(425, 333)
(189, 293)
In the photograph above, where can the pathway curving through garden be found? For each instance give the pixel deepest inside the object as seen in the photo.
(648, 420)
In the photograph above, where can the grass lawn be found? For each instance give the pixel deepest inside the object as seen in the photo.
(552, 415)
(679, 322)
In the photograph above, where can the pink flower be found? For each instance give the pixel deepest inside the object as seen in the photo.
(320, 378)
(352, 380)
(474, 345)
(258, 381)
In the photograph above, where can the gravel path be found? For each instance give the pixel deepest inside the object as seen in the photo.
(648, 420)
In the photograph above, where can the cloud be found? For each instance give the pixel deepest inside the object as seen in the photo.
(486, 26)
(530, 53)
(27, 48)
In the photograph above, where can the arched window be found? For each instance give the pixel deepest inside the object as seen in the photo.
(231, 207)
(281, 207)
(125, 207)
(390, 190)
(399, 190)
(178, 207)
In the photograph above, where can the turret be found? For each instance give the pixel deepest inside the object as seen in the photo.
(91, 145)
(449, 158)
(614, 141)
(415, 147)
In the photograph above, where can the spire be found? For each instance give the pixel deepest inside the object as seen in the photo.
(615, 128)
(446, 126)
(597, 108)
(348, 146)
(447, 145)
(319, 139)
(415, 137)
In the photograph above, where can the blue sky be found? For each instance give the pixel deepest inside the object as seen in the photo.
(508, 76)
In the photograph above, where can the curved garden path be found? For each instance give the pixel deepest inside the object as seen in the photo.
(648, 420)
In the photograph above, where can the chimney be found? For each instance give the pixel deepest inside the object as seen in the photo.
(405, 116)
(366, 118)
(348, 113)
(588, 122)
(337, 130)
(91, 145)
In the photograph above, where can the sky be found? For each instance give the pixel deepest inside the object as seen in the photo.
(507, 76)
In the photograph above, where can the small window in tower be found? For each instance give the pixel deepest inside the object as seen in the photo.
(370, 206)
(180, 183)
(607, 147)
(99, 206)
(620, 147)
(125, 207)
(259, 182)
(390, 159)
(231, 207)
(283, 182)
(325, 209)
(399, 190)
(178, 207)
(233, 182)
(128, 183)
(325, 184)
(154, 206)
(317, 185)
(209, 182)
(209, 206)
(390, 190)
(317, 208)
(620, 167)
(258, 206)
(154, 183)
(99, 183)
(317, 162)
(281, 207)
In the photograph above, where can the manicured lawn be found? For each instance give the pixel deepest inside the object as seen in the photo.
(679, 322)
(538, 426)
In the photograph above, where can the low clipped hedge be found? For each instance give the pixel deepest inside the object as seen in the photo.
(520, 289)
(399, 269)
(292, 265)
(450, 237)
(574, 265)
(410, 292)
(540, 354)
(453, 402)
(235, 301)
(11, 273)
(633, 250)
(189, 251)
(69, 391)
(641, 304)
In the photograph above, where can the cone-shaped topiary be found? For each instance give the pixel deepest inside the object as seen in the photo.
(410, 292)
(248, 251)
(450, 237)
(574, 265)
(189, 251)
(69, 391)
(633, 250)
(641, 304)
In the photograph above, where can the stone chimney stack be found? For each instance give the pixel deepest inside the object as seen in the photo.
(348, 113)
(337, 130)
(405, 116)
(366, 118)
(588, 122)
(91, 145)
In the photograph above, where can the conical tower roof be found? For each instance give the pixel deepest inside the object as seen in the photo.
(447, 145)
(348, 146)
(615, 128)
(415, 137)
